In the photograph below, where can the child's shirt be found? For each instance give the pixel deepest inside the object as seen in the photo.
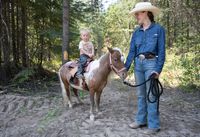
(87, 47)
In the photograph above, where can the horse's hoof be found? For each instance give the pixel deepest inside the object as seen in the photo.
(70, 106)
(92, 118)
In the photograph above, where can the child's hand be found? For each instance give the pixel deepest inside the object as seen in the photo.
(91, 55)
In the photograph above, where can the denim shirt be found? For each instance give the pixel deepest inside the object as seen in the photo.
(151, 40)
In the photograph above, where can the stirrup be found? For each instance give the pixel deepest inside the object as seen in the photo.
(80, 76)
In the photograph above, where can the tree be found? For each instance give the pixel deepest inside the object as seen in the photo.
(65, 39)
(5, 39)
(23, 34)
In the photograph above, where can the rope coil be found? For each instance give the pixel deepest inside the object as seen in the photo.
(155, 88)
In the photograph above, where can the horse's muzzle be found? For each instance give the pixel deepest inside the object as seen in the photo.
(123, 74)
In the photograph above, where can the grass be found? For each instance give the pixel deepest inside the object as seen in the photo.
(48, 118)
(23, 110)
(52, 65)
(172, 70)
(181, 70)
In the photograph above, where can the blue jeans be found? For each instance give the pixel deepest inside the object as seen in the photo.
(82, 62)
(147, 112)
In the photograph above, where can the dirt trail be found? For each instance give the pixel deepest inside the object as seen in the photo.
(42, 114)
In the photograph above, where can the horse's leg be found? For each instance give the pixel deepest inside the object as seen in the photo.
(65, 92)
(98, 96)
(66, 95)
(67, 87)
(92, 105)
(77, 96)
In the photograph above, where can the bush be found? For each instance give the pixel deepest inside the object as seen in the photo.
(190, 79)
(24, 75)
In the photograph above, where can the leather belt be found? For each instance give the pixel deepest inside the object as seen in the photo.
(146, 56)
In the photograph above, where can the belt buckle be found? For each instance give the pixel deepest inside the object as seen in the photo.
(141, 57)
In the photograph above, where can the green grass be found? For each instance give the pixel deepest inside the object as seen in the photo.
(181, 71)
(172, 70)
(51, 115)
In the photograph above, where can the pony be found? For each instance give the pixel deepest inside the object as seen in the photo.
(95, 78)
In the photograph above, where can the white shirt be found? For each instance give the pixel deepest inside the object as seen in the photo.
(86, 46)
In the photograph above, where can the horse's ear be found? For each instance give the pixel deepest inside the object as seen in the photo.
(110, 50)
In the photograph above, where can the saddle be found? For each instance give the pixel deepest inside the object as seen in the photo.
(73, 66)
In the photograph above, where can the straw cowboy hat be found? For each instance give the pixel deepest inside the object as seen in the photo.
(145, 6)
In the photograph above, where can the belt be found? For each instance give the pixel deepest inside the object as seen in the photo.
(143, 56)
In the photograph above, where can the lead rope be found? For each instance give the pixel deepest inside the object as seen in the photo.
(155, 88)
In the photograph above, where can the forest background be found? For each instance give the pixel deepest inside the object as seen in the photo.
(37, 36)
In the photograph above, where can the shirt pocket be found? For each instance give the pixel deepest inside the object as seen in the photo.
(138, 42)
(153, 39)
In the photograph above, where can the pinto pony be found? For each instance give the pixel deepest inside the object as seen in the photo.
(95, 78)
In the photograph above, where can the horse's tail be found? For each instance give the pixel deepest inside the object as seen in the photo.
(62, 83)
(64, 88)
(59, 76)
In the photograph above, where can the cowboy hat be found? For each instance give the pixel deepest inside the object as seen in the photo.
(145, 6)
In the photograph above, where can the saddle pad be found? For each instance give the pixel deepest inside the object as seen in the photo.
(88, 66)
(71, 64)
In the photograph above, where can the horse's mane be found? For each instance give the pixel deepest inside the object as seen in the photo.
(104, 55)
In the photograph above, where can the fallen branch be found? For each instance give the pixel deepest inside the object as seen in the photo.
(4, 91)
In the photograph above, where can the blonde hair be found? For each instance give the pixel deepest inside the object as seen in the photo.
(85, 31)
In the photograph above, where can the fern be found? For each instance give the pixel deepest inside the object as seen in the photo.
(24, 75)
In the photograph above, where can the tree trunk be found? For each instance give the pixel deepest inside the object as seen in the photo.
(5, 18)
(65, 40)
(17, 31)
(100, 43)
(23, 36)
(188, 23)
(0, 49)
(14, 49)
(1, 34)
(5, 40)
(41, 50)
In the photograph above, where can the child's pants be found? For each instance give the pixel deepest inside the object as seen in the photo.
(82, 62)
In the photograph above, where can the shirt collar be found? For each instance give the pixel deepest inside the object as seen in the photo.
(152, 24)
(83, 42)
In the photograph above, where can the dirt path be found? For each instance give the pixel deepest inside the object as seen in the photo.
(42, 114)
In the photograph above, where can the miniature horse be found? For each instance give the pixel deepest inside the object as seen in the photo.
(95, 79)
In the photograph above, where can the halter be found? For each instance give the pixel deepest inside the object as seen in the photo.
(114, 68)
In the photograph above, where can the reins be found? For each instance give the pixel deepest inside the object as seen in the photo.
(155, 88)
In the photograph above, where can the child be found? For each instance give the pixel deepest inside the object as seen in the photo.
(86, 51)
